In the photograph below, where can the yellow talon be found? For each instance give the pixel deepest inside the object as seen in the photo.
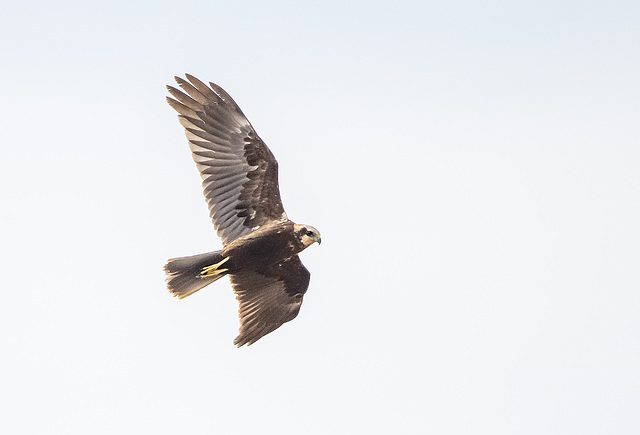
(213, 273)
(210, 271)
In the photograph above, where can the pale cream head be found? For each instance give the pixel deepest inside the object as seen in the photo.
(307, 234)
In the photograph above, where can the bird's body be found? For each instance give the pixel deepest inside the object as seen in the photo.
(263, 247)
(240, 181)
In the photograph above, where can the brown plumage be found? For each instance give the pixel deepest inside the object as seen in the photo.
(240, 181)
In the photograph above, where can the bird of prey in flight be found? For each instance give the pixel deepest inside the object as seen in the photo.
(240, 181)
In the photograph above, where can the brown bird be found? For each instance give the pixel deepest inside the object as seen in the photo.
(240, 180)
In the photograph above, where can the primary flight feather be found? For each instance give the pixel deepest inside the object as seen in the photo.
(240, 181)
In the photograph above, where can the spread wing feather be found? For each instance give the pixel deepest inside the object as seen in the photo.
(239, 173)
(269, 298)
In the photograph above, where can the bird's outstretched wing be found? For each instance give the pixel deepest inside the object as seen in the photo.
(269, 298)
(239, 173)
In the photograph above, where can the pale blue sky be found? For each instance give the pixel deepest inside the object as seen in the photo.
(473, 168)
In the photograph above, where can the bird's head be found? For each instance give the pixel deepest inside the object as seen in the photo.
(307, 234)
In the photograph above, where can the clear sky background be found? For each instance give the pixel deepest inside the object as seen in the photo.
(473, 167)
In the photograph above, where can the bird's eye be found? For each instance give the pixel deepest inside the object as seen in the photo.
(309, 233)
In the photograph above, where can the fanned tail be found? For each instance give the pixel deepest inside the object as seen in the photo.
(187, 275)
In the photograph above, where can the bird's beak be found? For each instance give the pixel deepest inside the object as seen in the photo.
(318, 239)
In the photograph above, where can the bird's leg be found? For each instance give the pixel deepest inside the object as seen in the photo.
(211, 271)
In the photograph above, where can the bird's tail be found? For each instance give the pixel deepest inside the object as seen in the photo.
(187, 275)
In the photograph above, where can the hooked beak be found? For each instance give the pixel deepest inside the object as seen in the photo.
(316, 237)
